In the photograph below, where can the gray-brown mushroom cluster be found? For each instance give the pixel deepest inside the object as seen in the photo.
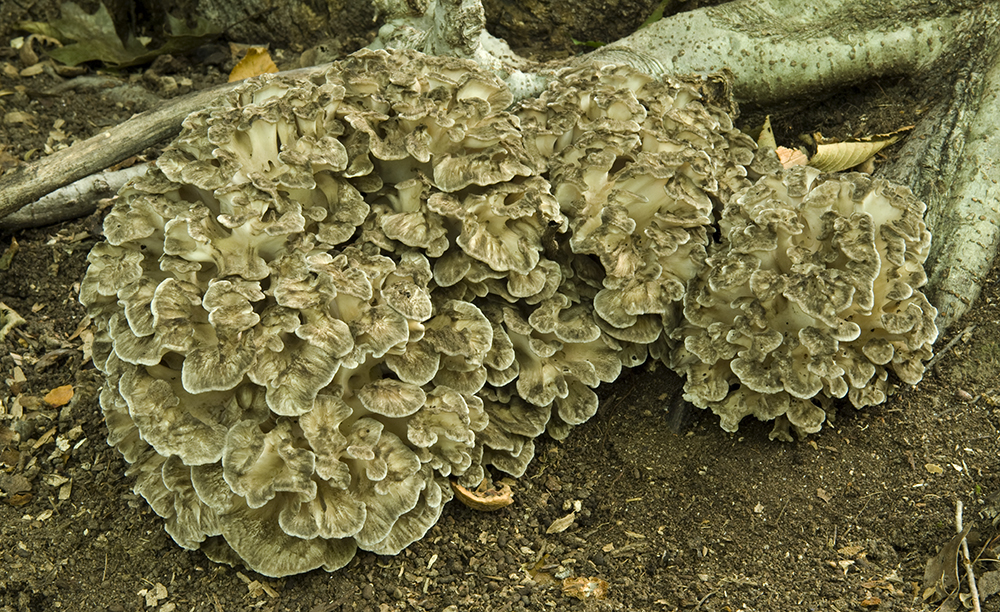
(811, 294)
(332, 295)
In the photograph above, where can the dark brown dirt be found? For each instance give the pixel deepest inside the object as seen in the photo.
(672, 512)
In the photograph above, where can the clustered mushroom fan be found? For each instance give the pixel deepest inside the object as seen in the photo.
(334, 294)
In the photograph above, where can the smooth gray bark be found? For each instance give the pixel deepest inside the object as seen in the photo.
(75, 200)
(952, 162)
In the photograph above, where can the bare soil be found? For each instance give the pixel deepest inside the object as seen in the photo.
(671, 511)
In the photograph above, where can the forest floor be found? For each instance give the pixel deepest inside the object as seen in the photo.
(672, 513)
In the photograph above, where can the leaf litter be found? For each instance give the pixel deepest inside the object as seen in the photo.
(93, 37)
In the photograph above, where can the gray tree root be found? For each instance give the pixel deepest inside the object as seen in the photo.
(952, 162)
(75, 200)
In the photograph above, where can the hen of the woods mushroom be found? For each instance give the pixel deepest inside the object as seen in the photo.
(811, 293)
(333, 295)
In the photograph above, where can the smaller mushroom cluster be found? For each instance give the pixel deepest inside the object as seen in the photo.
(811, 294)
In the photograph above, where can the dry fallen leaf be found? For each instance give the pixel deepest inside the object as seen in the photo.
(839, 156)
(84, 324)
(90, 37)
(561, 524)
(790, 158)
(255, 62)
(850, 551)
(833, 156)
(9, 457)
(989, 584)
(60, 396)
(822, 494)
(585, 588)
(16, 117)
(941, 572)
(20, 499)
(933, 468)
(153, 595)
(766, 138)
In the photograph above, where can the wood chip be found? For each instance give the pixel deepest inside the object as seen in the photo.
(585, 588)
(44, 439)
(56, 480)
(60, 396)
(485, 500)
(850, 551)
(31, 71)
(17, 117)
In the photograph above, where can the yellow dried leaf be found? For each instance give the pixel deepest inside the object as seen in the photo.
(32, 70)
(256, 61)
(766, 138)
(19, 499)
(60, 396)
(561, 524)
(838, 156)
(933, 468)
(16, 117)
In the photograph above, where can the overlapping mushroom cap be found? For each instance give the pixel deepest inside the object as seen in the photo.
(812, 294)
(637, 164)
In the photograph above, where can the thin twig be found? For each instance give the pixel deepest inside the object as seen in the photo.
(948, 347)
(703, 599)
(967, 559)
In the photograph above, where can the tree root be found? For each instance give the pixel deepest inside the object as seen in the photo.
(75, 200)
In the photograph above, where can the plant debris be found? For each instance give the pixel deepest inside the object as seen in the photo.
(484, 498)
(256, 61)
(941, 573)
(94, 37)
